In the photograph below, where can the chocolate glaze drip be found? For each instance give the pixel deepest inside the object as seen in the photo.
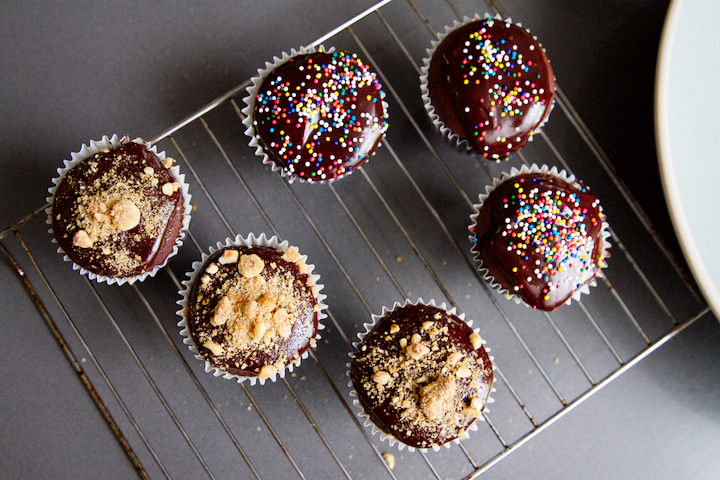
(201, 308)
(542, 247)
(330, 121)
(387, 414)
(490, 82)
(106, 170)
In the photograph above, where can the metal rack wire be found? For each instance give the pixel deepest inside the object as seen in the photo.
(395, 228)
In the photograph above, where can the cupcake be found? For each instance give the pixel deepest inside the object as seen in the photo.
(119, 210)
(315, 115)
(251, 309)
(488, 86)
(539, 236)
(421, 375)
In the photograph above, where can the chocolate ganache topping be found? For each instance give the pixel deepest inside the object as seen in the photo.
(540, 238)
(319, 116)
(119, 212)
(253, 310)
(490, 83)
(422, 375)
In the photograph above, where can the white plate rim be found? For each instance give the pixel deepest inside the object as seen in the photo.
(669, 183)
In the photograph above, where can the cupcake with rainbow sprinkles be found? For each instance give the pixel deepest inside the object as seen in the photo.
(315, 115)
(540, 236)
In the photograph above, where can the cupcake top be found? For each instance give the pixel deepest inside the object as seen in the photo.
(320, 115)
(490, 83)
(540, 237)
(422, 375)
(118, 213)
(253, 310)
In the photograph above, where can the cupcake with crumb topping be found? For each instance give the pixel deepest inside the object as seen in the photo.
(421, 375)
(251, 309)
(119, 210)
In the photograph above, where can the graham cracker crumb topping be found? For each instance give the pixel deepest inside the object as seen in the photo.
(108, 204)
(419, 377)
(229, 256)
(250, 266)
(437, 398)
(82, 239)
(125, 215)
(252, 307)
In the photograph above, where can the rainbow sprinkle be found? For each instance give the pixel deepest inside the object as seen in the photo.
(320, 115)
(541, 238)
(549, 225)
(515, 101)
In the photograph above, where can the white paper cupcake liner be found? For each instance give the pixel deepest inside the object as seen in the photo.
(453, 139)
(87, 151)
(239, 241)
(563, 175)
(249, 109)
(367, 421)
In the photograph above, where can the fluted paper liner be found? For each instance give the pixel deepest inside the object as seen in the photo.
(239, 241)
(87, 151)
(563, 175)
(367, 421)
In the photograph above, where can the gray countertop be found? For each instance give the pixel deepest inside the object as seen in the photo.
(75, 71)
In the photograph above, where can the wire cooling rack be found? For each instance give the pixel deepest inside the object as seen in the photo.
(395, 229)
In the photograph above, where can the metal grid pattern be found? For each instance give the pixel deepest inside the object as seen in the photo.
(395, 229)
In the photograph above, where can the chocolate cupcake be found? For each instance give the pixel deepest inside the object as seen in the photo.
(315, 115)
(488, 86)
(421, 375)
(539, 236)
(251, 309)
(119, 210)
